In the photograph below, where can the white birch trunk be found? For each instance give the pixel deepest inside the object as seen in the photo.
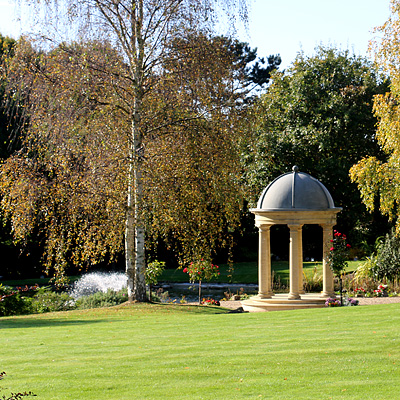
(130, 229)
(135, 232)
(135, 260)
(140, 259)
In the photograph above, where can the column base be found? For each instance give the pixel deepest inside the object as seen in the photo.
(328, 294)
(293, 296)
(264, 295)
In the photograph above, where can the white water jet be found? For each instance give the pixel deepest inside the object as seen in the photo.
(98, 282)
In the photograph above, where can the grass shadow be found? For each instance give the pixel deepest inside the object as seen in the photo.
(176, 308)
(35, 322)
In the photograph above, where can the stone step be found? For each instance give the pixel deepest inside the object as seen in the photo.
(281, 302)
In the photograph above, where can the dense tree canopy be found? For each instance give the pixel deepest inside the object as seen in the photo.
(380, 178)
(67, 183)
(6, 51)
(317, 115)
(142, 32)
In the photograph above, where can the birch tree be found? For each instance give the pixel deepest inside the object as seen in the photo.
(142, 32)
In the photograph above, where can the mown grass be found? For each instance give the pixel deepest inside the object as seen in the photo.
(247, 272)
(185, 352)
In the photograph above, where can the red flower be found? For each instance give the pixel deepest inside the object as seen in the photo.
(348, 246)
(185, 270)
(332, 248)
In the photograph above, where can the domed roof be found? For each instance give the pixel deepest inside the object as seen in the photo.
(295, 190)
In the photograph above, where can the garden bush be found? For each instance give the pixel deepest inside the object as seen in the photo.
(46, 300)
(314, 282)
(387, 264)
(102, 299)
(12, 302)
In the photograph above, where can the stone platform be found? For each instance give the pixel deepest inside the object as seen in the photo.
(280, 302)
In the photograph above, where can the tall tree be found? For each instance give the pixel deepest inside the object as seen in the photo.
(256, 71)
(6, 51)
(65, 178)
(379, 179)
(317, 115)
(142, 31)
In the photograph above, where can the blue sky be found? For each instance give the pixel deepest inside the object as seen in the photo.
(285, 26)
(288, 26)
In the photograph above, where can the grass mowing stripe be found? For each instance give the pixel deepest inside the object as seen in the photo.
(153, 352)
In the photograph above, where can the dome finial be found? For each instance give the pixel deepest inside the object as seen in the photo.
(295, 168)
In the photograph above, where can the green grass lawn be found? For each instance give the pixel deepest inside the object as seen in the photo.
(185, 352)
(247, 272)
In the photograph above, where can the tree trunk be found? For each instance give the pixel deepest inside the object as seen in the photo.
(135, 232)
(199, 292)
(135, 261)
(130, 231)
(341, 291)
(140, 259)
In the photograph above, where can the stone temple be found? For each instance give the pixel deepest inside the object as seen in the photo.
(293, 199)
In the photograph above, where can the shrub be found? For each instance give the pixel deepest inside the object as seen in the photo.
(313, 283)
(365, 270)
(48, 301)
(13, 303)
(388, 258)
(102, 299)
(153, 272)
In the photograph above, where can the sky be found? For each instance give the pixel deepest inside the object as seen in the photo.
(283, 27)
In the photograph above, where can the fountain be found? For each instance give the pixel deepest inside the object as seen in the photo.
(102, 281)
(98, 282)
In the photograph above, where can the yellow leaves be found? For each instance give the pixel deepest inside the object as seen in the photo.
(367, 175)
(377, 179)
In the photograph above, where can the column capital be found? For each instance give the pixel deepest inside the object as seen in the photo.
(263, 227)
(327, 227)
(295, 226)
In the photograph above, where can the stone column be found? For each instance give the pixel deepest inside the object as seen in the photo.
(295, 258)
(264, 263)
(328, 288)
(301, 289)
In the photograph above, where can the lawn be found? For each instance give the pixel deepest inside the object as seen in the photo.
(244, 273)
(185, 352)
(247, 272)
